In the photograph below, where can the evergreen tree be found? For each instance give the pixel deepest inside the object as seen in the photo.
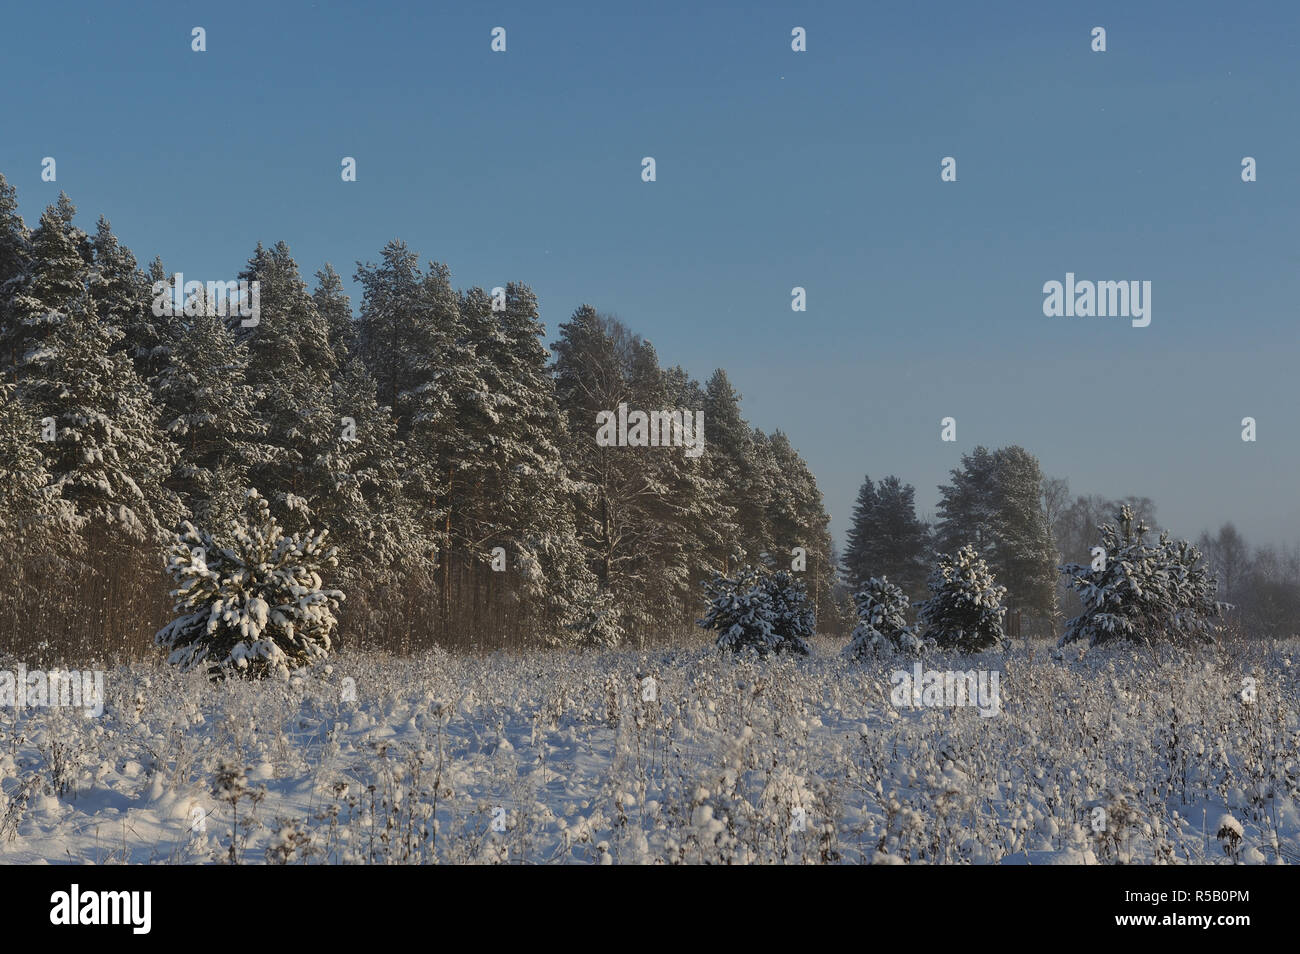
(968, 507)
(758, 611)
(33, 518)
(108, 456)
(250, 600)
(705, 519)
(49, 274)
(793, 619)
(860, 560)
(609, 487)
(994, 504)
(530, 508)
(882, 622)
(291, 369)
(964, 611)
(124, 300)
(797, 518)
(208, 410)
(402, 337)
(371, 522)
(15, 264)
(1025, 556)
(333, 304)
(731, 464)
(1141, 592)
(886, 538)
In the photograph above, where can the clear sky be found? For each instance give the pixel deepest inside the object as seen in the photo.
(774, 169)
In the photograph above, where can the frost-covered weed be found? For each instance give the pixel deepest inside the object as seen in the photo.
(1111, 756)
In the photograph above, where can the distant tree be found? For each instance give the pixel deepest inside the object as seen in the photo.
(291, 368)
(797, 518)
(886, 538)
(731, 461)
(1056, 501)
(1024, 556)
(208, 411)
(333, 304)
(15, 265)
(34, 519)
(995, 505)
(1228, 557)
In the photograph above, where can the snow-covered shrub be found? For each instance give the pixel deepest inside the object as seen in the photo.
(964, 611)
(759, 610)
(593, 617)
(882, 622)
(1142, 592)
(792, 615)
(251, 601)
(570, 607)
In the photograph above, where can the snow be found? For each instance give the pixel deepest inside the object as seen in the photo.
(787, 759)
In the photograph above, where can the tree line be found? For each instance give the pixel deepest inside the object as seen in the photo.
(447, 451)
(1029, 530)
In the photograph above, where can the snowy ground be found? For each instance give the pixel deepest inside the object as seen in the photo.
(1119, 756)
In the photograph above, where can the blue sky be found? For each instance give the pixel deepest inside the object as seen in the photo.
(775, 169)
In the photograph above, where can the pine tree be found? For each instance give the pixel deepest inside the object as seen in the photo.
(964, 611)
(208, 411)
(797, 518)
(291, 369)
(705, 520)
(15, 265)
(758, 611)
(124, 299)
(886, 538)
(49, 273)
(249, 601)
(882, 622)
(609, 512)
(334, 306)
(666, 478)
(33, 518)
(370, 520)
(108, 456)
(402, 337)
(994, 503)
(1025, 557)
(793, 619)
(522, 502)
(968, 507)
(730, 462)
(153, 334)
(1140, 592)
(860, 560)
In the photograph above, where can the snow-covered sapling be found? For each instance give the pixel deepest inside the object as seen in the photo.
(964, 611)
(759, 610)
(1142, 592)
(251, 602)
(882, 622)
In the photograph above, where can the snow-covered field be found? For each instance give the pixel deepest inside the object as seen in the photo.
(554, 757)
